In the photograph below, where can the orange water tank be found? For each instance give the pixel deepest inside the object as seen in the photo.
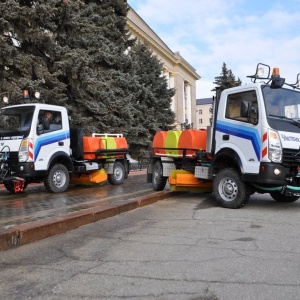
(90, 146)
(171, 141)
(159, 142)
(192, 139)
(121, 143)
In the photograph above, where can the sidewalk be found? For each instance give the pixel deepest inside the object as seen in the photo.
(88, 207)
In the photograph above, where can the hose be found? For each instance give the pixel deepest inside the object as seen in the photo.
(276, 188)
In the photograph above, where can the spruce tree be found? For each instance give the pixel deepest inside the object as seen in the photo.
(152, 100)
(28, 50)
(75, 53)
(225, 80)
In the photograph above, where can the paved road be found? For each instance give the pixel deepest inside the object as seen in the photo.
(180, 248)
(35, 203)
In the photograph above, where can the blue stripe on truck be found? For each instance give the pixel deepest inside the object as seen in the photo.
(49, 139)
(243, 132)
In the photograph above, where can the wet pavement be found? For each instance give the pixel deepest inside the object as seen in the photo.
(35, 203)
(37, 208)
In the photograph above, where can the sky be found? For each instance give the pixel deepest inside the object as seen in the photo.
(240, 33)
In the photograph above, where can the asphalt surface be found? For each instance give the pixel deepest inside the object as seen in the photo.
(184, 247)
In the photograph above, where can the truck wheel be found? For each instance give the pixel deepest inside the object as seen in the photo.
(58, 179)
(118, 174)
(158, 181)
(277, 196)
(229, 189)
(10, 186)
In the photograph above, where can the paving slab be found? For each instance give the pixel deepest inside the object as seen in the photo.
(37, 214)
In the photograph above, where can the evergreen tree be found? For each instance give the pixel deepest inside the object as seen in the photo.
(225, 80)
(152, 100)
(75, 53)
(27, 49)
(95, 64)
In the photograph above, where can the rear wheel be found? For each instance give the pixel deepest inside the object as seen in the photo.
(277, 196)
(15, 187)
(118, 174)
(158, 181)
(58, 179)
(229, 189)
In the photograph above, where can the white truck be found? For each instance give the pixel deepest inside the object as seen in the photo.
(35, 150)
(252, 145)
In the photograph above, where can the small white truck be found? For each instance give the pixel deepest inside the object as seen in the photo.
(252, 145)
(34, 149)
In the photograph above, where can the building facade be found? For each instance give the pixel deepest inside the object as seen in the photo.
(179, 73)
(203, 113)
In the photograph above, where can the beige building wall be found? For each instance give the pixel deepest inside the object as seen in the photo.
(203, 116)
(178, 72)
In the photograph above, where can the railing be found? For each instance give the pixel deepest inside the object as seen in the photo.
(138, 166)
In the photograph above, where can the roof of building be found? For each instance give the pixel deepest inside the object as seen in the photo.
(204, 101)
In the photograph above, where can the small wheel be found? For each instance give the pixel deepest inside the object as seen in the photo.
(158, 181)
(58, 179)
(118, 174)
(229, 189)
(15, 188)
(277, 196)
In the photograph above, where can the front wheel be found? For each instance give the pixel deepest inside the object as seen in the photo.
(229, 189)
(118, 174)
(58, 179)
(158, 181)
(277, 196)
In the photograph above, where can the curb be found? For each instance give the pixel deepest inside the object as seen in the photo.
(37, 230)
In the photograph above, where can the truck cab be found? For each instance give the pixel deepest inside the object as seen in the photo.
(27, 146)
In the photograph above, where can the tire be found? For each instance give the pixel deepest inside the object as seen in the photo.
(158, 181)
(58, 178)
(118, 174)
(277, 196)
(229, 189)
(9, 185)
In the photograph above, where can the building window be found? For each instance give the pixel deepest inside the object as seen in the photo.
(200, 111)
(200, 121)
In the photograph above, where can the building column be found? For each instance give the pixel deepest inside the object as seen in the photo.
(171, 86)
(188, 103)
(183, 112)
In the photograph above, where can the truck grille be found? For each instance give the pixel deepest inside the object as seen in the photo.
(12, 158)
(290, 157)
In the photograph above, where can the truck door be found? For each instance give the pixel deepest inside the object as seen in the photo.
(238, 128)
(52, 136)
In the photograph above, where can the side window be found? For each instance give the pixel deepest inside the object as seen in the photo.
(49, 121)
(242, 107)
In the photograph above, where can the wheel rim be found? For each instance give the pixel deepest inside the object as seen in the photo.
(228, 189)
(118, 173)
(59, 178)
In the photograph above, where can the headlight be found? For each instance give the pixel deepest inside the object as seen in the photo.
(23, 151)
(275, 148)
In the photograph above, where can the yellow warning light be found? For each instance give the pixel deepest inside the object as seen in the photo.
(275, 72)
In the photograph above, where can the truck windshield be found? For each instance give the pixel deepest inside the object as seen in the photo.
(282, 107)
(282, 102)
(15, 122)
